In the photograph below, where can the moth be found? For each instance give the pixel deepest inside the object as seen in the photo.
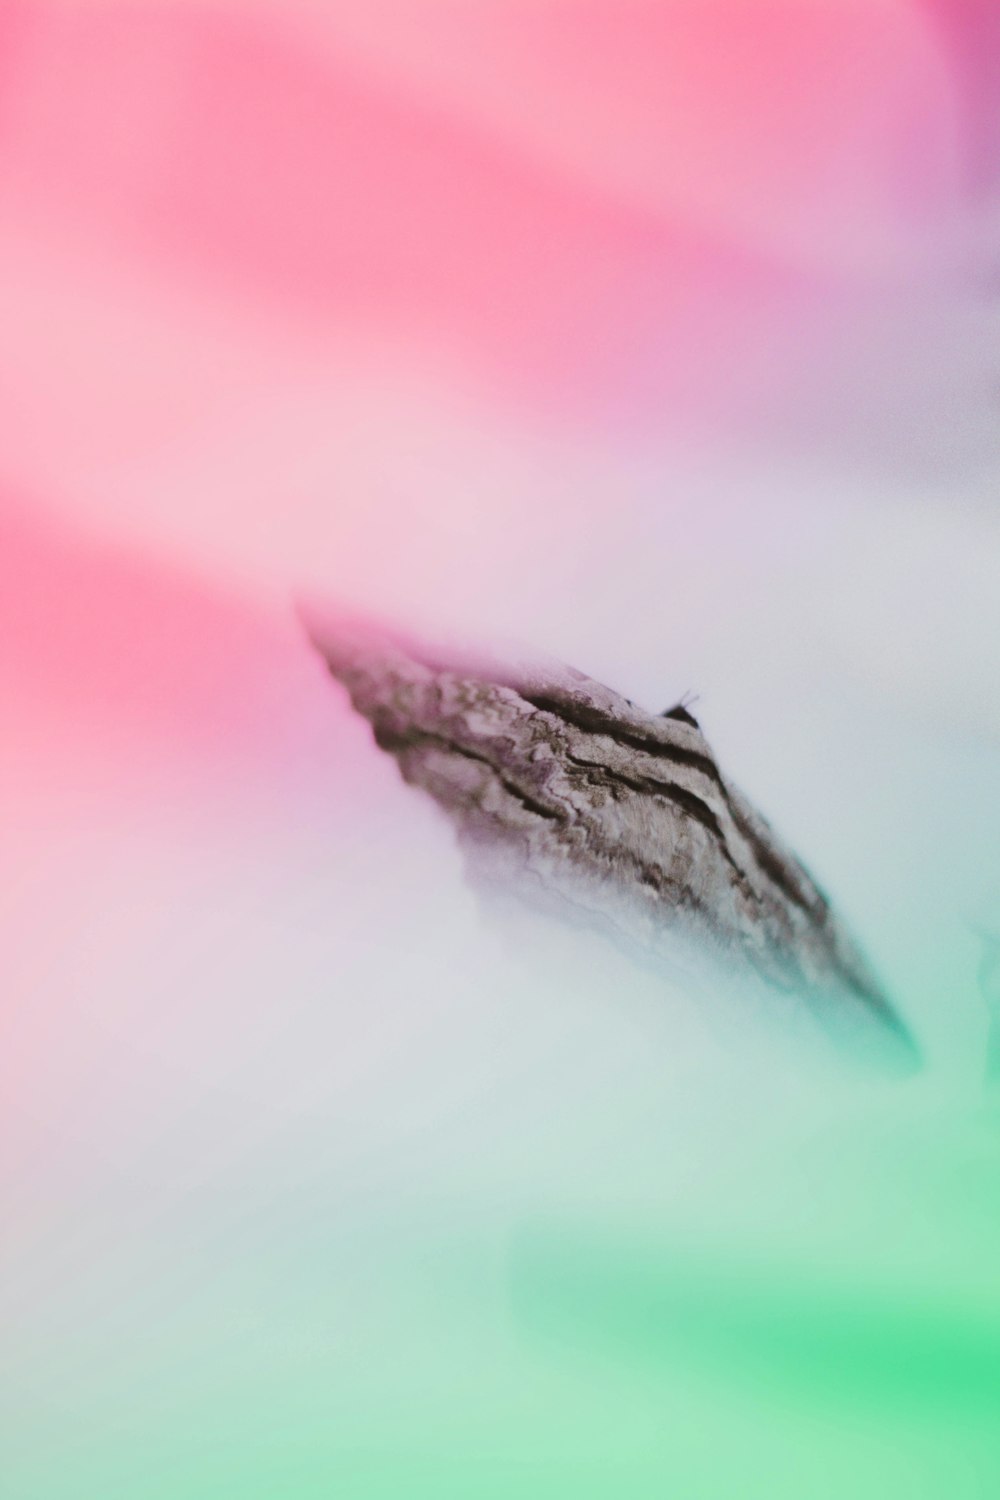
(586, 806)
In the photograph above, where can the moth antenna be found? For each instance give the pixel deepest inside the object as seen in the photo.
(681, 710)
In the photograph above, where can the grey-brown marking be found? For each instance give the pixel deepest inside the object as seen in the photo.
(581, 802)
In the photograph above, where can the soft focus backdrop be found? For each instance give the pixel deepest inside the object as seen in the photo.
(660, 336)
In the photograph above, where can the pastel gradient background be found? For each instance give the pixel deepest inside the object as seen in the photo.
(659, 336)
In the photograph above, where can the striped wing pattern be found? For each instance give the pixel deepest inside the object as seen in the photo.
(569, 794)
